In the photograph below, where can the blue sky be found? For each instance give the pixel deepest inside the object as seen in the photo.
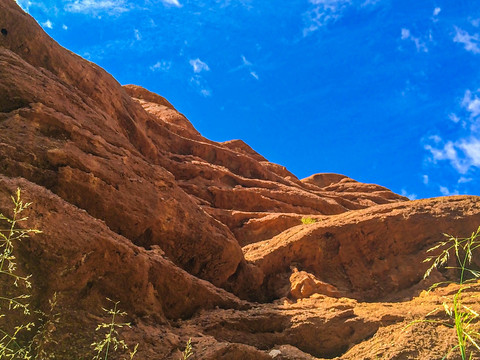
(382, 91)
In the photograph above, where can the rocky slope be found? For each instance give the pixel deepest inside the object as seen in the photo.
(199, 239)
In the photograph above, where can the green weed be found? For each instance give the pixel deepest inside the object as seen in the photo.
(10, 234)
(11, 348)
(462, 318)
(308, 220)
(44, 337)
(110, 340)
(188, 352)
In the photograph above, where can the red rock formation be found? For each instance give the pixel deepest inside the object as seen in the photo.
(85, 139)
(367, 254)
(136, 205)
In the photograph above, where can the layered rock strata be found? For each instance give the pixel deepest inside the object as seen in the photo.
(199, 239)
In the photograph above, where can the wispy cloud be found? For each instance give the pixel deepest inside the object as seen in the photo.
(247, 65)
(446, 192)
(323, 12)
(470, 42)
(410, 196)
(199, 66)
(137, 34)
(435, 14)
(419, 44)
(24, 4)
(464, 180)
(454, 118)
(172, 3)
(426, 179)
(200, 85)
(463, 154)
(97, 6)
(162, 65)
(471, 103)
(448, 151)
(245, 61)
(47, 24)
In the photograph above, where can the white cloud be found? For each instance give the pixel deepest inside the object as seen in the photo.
(470, 42)
(199, 66)
(419, 44)
(24, 4)
(462, 154)
(471, 148)
(447, 152)
(200, 85)
(161, 66)
(138, 36)
(96, 6)
(410, 196)
(405, 34)
(47, 24)
(206, 92)
(436, 11)
(64, 27)
(426, 179)
(436, 139)
(245, 61)
(323, 12)
(370, 2)
(471, 104)
(464, 180)
(246, 65)
(454, 117)
(446, 192)
(172, 3)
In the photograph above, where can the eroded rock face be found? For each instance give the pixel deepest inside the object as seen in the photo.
(84, 138)
(84, 261)
(231, 176)
(366, 254)
(137, 206)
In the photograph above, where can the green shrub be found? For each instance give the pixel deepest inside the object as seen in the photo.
(308, 220)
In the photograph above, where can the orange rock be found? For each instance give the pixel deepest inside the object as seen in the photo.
(366, 254)
(303, 285)
(136, 205)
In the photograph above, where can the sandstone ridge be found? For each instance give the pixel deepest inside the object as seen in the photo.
(199, 239)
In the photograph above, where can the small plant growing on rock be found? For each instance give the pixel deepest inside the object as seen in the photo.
(308, 220)
(462, 318)
(10, 234)
(188, 352)
(10, 345)
(110, 340)
(44, 336)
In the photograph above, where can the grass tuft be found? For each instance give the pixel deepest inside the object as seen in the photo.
(308, 220)
(110, 340)
(462, 318)
(188, 352)
(10, 234)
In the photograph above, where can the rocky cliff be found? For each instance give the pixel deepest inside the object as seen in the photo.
(197, 238)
